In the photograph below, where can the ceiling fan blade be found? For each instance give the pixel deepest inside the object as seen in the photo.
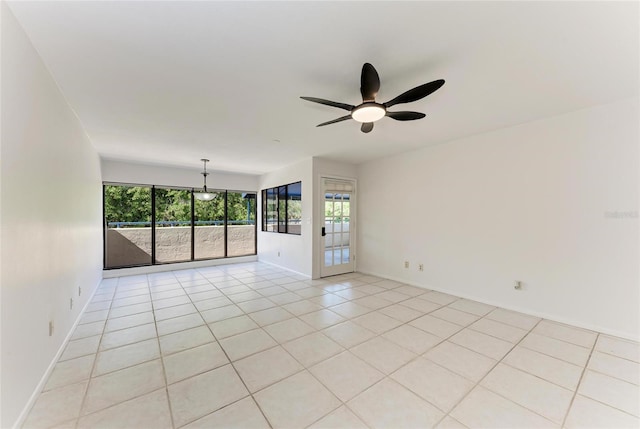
(416, 93)
(369, 83)
(343, 118)
(366, 127)
(405, 116)
(329, 103)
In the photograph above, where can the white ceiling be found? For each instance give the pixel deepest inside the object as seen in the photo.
(172, 82)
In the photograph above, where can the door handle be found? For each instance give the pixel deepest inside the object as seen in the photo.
(323, 231)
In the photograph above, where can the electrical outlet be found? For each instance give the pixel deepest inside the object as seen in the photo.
(50, 327)
(421, 267)
(406, 264)
(71, 304)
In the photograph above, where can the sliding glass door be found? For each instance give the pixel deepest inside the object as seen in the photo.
(146, 225)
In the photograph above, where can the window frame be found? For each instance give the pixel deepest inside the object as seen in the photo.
(267, 222)
(281, 193)
(192, 191)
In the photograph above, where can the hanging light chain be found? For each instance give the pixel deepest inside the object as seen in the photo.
(204, 173)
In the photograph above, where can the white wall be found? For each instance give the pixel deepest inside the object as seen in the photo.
(147, 174)
(536, 203)
(300, 253)
(293, 252)
(50, 219)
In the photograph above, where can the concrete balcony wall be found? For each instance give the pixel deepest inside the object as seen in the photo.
(132, 246)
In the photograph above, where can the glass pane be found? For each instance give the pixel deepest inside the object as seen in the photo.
(263, 197)
(272, 210)
(328, 257)
(127, 212)
(337, 256)
(337, 241)
(294, 208)
(282, 209)
(209, 228)
(328, 226)
(345, 255)
(241, 220)
(173, 225)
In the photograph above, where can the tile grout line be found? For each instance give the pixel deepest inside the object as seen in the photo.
(380, 335)
(278, 344)
(617, 357)
(348, 349)
(95, 361)
(298, 316)
(615, 377)
(164, 369)
(538, 377)
(251, 394)
(393, 303)
(584, 370)
(350, 319)
(131, 366)
(215, 338)
(485, 376)
(234, 369)
(551, 356)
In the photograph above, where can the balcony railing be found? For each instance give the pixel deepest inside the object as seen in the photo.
(179, 223)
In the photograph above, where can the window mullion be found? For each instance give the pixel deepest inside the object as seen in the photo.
(153, 225)
(226, 245)
(193, 226)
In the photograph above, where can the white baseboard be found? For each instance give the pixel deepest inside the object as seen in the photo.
(286, 269)
(34, 396)
(552, 317)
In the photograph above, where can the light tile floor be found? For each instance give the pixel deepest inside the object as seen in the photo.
(254, 346)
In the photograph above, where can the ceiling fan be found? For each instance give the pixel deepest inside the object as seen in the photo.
(369, 111)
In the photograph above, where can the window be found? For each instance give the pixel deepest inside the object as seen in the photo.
(209, 228)
(148, 225)
(172, 225)
(270, 210)
(282, 209)
(127, 225)
(241, 217)
(294, 208)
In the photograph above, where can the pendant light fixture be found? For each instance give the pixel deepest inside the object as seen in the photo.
(205, 195)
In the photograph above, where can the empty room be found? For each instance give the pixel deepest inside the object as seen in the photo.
(282, 214)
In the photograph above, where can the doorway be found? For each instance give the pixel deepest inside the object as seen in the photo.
(337, 241)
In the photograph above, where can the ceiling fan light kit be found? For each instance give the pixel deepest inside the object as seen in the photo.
(369, 111)
(205, 195)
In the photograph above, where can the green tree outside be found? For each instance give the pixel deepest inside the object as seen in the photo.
(133, 204)
(127, 204)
